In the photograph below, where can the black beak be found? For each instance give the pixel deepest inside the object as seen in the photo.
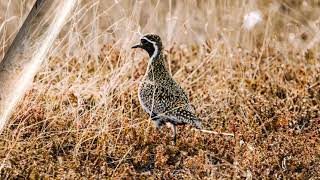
(137, 46)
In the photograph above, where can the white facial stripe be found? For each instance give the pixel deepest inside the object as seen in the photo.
(154, 46)
(152, 57)
(148, 40)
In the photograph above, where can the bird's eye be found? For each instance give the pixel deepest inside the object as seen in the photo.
(143, 41)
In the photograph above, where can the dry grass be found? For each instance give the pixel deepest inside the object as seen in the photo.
(82, 116)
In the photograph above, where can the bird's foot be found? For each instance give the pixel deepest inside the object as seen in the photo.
(175, 140)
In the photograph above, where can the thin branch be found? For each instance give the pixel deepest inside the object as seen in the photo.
(214, 132)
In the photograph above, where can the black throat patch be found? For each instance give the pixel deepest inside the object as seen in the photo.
(149, 48)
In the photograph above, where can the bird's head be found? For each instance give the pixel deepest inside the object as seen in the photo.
(151, 43)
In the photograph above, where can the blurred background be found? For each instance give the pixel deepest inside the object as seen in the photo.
(99, 22)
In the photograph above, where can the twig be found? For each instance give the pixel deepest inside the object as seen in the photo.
(214, 132)
(314, 85)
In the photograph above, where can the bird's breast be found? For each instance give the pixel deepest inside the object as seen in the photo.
(142, 95)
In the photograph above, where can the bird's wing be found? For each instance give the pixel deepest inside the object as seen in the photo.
(178, 90)
(166, 98)
(182, 116)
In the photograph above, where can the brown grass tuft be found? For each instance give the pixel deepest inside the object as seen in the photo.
(82, 117)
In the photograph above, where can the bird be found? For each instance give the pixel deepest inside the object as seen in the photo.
(159, 94)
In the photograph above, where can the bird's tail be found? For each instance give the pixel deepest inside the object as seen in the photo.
(187, 117)
(197, 123)
(193, 119)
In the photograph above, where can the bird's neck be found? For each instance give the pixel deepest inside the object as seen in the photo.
(156, 66)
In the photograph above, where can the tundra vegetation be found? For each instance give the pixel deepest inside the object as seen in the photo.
(251, 68)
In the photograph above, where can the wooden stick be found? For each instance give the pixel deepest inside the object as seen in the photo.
(214, 132)
(28, 51)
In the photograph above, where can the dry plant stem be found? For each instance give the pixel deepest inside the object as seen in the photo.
(82, 118)
(29, 50)
(214, 132)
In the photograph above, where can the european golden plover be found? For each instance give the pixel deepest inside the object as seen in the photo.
(160, 96)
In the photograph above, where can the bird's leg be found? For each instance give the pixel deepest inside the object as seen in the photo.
(174, 128)
(157, 124)
(156, 120)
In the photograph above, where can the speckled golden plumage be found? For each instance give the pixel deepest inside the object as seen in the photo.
(160, 96)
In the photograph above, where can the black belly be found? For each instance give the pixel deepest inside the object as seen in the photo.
(162, 120)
